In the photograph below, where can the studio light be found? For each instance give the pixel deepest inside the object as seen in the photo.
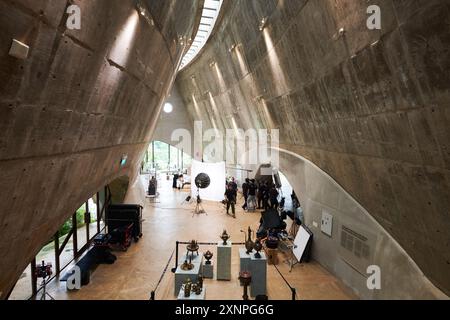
(262, 24)
(144, 13)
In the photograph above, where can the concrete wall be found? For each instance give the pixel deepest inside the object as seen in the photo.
(370, 108)
(318, 193)
(81, 100)
(168, 123)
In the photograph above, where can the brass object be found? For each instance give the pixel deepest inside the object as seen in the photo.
(191, 248)
(187, 288)
(186, 266)
(248, 241)
(258, 247)
(225, 237)
(246, 278)
(208, 256)
(197, 289)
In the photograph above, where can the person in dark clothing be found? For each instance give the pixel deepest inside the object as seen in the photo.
(245, 188)
(152, 186)
(251, 200)
(175, 180)
(233, 184)
(263, 196)
(231, 195)
(273, 196)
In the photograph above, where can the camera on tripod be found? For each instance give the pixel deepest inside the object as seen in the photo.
(44, 270)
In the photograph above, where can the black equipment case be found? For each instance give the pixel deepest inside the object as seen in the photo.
(122, 215)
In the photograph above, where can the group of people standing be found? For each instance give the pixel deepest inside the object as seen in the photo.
(261, 195)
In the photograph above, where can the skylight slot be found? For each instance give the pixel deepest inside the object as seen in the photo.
(211, 10)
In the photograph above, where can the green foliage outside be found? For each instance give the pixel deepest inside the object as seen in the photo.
(162, 161)
(65, 228)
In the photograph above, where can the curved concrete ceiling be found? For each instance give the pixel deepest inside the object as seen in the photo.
(369, 107)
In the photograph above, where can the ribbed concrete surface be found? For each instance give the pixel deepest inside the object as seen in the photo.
(70, 111)
(370, 108)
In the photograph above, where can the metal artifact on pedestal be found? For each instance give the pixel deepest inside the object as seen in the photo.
(191, 248)
(225, 237)
(258, 247)
(208, 256)
(248, 241)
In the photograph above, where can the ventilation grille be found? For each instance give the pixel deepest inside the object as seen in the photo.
(355, 242)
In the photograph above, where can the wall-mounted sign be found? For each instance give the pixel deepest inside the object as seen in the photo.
(123, 161)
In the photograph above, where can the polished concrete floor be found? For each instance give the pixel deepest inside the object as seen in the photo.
(137, 272)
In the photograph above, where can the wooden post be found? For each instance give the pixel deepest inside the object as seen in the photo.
(98, 212)
(87, 220)
(57, 260)
(75, 235)
(33, 278)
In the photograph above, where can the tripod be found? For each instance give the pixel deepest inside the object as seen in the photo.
(198, 207)
(45, 294)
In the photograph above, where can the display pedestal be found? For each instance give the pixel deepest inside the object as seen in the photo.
(224, 261)
(258, 269)
(193, 296)
(244, 260)
(208, 271)
(181, 276)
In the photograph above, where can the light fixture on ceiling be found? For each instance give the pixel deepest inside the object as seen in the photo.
(233, 46)
(262, 24)
(142, 10)
(212, 64)
(168, 107)
(259, 98)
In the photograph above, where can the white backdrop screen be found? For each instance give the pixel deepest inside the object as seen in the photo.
(216, 172)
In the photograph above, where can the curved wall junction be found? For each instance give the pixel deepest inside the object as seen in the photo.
(368, 107)
(357, 240)
(81, 101)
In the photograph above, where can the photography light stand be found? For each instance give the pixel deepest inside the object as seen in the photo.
(198, 207)
(45, 294)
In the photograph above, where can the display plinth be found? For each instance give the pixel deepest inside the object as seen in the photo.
(208, 271)
(193, 296)
(182, 275)
(224, 261)
(258, 270)
(244, 260)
